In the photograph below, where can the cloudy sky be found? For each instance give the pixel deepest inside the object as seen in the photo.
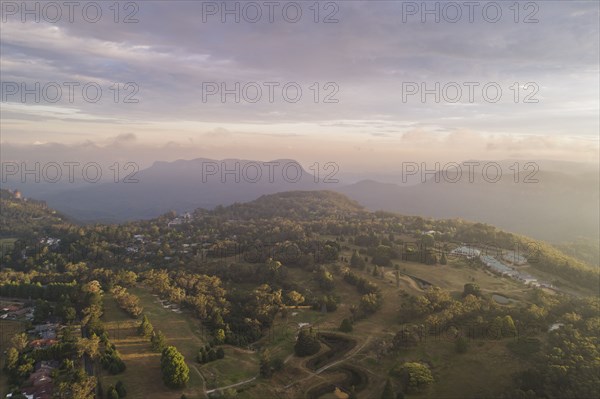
(361, 68)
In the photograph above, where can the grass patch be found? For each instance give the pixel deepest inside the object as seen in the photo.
(524, 347)
(143, 378)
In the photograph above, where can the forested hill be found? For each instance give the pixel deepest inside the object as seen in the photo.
(324, 212)
(24, 217)
(305, 205)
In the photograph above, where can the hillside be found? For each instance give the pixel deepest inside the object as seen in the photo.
(308, 205)
(24, 217)
(370, 292)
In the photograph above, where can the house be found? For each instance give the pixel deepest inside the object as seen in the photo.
(466, 251)
(555, 326)
(42, 343)
(46, 331)
(175, 222)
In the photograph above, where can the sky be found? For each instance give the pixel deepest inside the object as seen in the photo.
(338, 81)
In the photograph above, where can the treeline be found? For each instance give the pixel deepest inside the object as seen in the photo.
(208, 354)
(49, 292)
(371, 300)
(130, 303)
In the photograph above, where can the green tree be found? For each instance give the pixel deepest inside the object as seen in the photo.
(265, 364)
(508, 327)
(19, 341)
(307, 343)
(12, 361)
(145, 329)
(112, 393)
(220, 336)
(346, 326)
(413, 375)
(176, 373)
(158, 341)
(388, 391)
(443, 259)
(356, 261)
(120, 387)
(295, 298)
(471, 289)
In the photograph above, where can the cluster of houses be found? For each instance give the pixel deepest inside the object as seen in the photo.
(501, 268)
(185, 218)
(16, 311)
(514, 258)
(39, 385)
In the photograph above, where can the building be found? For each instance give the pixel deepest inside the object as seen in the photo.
(514, 258)
(467, 252)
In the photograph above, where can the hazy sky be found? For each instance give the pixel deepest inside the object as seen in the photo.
(365, 65)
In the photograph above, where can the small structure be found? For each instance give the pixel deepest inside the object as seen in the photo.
(467, 252)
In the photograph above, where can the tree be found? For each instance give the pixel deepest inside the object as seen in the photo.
(295, 298)
(12, 360)
(461, 344)
(265, 364)
(112, 393)
(356, 261)
(176, 373)
(19, 342)
(69, 314)
(220, 336)
(120, 387)
(495, 328)
(307, 343)
(91, 346)
(443, 259)
(383, 255)
(413, 375)
(508, 327)
(388, 391)
(471, 289)
(375, 271)
(346, 326)
(145, 329)
(370, 303)
(158, 341)
(220, 353)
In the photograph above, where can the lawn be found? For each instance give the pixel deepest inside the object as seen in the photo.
(143, 378)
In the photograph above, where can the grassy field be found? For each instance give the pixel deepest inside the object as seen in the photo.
(143, 377)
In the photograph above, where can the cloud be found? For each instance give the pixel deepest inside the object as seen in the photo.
(368, 54)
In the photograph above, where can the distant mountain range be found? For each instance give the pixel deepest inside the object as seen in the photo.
(180, 185)
(560, 207)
